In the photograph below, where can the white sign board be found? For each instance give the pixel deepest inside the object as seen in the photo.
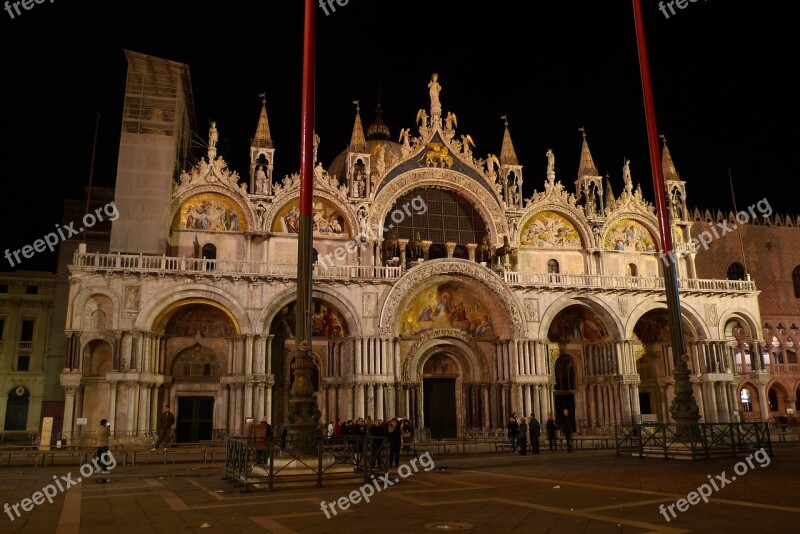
(82, 421)
(46, 433)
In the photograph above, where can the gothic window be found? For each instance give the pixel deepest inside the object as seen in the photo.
(553, 267)
(747, 406)
(773, 400)
(796, 281)
(736, 271)
(565, 374)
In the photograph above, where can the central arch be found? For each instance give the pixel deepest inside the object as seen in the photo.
(449, 368)
(429, 272)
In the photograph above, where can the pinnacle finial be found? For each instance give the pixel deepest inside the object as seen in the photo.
(582, 130)
(504, 118)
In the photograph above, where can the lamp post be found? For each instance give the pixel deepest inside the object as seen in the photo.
(303, 413)
(684, 408)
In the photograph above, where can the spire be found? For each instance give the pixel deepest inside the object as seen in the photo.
(263, 138)
(378, 129)
(507, 154)
(610, 198)
(667, 166)
(358, 142)
(586, 167)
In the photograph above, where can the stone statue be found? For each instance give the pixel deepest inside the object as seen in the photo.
(213, 135)
(450, 121)
(363, 223)
(491, 161)
(434, 90)
(626, 175)
(261, 181)
(316, 146)
(404, 135)
(551, 162)
(380, 154)
(422, 117)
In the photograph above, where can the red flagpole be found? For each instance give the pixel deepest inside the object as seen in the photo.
(684, 408)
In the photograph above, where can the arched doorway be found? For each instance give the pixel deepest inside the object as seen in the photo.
(566, 385)
(651, 401)
(17, 409)
(198, 346)
(195, 414)
(439, 376)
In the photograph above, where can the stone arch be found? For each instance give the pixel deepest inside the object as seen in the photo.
(77, 321)
(156, 310)
(408, 285)
(611, 321)
(469, 355)
(344, 306)
(743, 316)
(97, 357)
(700, 329)
(179, 201)
(649, 222)
(469, 188)
(573, 215)
(344, 208)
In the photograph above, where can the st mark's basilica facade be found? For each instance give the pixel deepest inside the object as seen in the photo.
(439, 292)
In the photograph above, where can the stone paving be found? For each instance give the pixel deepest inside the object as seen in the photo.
(583, 491)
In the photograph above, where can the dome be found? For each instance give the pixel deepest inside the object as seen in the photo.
(394, 153)
(378, 129)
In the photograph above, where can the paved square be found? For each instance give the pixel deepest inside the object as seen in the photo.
(585, 491)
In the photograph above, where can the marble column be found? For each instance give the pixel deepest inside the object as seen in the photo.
(69, 410)
(154, 408)
(487, 422)
(144, 408)
(379, 402)
(627, 408)
(358, 398)
(637, 411)
(763, 401)
(391, 411)
(528, 407)
(724, 412)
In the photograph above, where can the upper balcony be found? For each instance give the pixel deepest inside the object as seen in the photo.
(255, 270)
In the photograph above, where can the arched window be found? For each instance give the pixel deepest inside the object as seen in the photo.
(632, 270)
(747, 406)
(736, 271)
(17, 409)
(772, 395)
(796, 281)
(209, 252)
(565, 374)
(553, 267)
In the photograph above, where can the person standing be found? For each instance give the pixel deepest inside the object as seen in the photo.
(534, 431)
(513, 431)
(395, 434)
(566, 428)
(165, 429)
(551, 431)
(258, 435)
(523, 437)
(103, 432)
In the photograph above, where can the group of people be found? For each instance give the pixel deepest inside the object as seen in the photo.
(519, 431)
(397, 431)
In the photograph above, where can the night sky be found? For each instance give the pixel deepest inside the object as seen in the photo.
(725, 97)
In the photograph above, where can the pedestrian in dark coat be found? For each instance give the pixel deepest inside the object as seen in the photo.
(566, 428)
(551, 431)
(534, 431)
(523, 436)
(513, 431)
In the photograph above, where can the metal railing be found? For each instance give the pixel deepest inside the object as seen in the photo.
(348, 457)
(702, 441)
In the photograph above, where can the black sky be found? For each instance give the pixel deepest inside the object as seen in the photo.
(723, 73)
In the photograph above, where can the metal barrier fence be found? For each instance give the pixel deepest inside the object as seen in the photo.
(703, 440)
(348, 457)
